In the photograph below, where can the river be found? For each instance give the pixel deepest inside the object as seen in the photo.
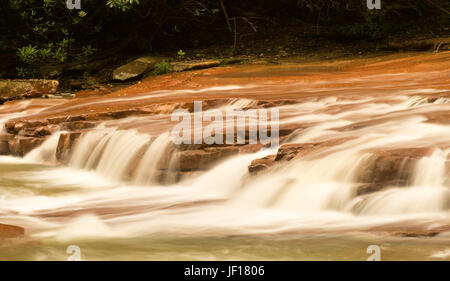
(313, 207)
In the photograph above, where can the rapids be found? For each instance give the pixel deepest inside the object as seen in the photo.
(108, 201)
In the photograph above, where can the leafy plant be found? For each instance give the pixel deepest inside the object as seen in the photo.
(162, 68)
(123, 5)
(181, 54)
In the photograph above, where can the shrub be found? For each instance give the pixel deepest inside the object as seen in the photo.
(162, 68)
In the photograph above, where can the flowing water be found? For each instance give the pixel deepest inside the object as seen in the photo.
(307, 209)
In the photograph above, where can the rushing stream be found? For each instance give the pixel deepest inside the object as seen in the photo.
(306, 209)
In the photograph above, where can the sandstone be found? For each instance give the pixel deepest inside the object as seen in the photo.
(4, 147)
(191, 65)
(15, 126)
(391, 166)
(31, 88)
(77, 125)
(22, 145)
(65, 145)
(192, 160)
(261, 164)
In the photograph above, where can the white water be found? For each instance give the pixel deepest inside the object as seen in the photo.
(46, 152)
(148, 166)
(112, 178)
(110, 152)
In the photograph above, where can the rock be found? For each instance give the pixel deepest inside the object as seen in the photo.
(11, 231)
(419, 45)
(16, 126)
(391, 167)
(287, 152)
(191, 65)
(193, 160)
(20, 146)
(4, 147)
(46, 130)
(32, 88)
(4, 143)
(135, 68)
(65, 145)
(78, 125)
(261, 164)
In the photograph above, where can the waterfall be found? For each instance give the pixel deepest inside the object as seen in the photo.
(109, 152)
(431, 170)
(148, 166)
(46, 152)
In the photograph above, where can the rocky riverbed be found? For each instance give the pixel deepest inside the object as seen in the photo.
(363, 149)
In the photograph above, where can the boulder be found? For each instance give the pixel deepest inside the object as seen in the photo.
(136, 68)
(11, 231)
(31, 88)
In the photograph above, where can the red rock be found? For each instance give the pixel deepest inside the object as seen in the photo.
(192, 160)
(386, 166)
(4, 147)
(261, 164)
(22, 145)
(65, 145)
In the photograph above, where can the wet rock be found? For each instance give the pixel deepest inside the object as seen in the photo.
(117, 114)
(32, 88)
(192, 160)
(65, 145)
(136, 68)
(20, 146)
(46, 130)
(16, 126)
(191, 65)
(4, 148)
(288, 152)
(77, 125)
(261, 164)
(393, 167)
(11, 231)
